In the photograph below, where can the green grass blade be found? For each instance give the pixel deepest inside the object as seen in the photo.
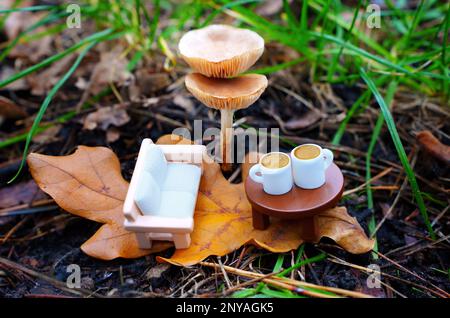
(355, 32)
(34, 8)
(310, 260)
(362, 100)
(373, 141)
(400, 150)
(46, 103)
(292, 21)
(361, 52)
(446, 80)
(332, 68)
(343, 125)
(154, 24)
(69, 115)
(279, 263)
(56, 57)
(276, 68)
(416, 20)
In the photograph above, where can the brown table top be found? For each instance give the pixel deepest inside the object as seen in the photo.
(298, 202)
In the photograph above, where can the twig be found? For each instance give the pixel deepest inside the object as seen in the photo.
(413, 274)
(54, 282)
(337, 260)
(362, 186)
(287, 282)
(391, 208)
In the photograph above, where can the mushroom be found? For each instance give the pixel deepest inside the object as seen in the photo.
(221, 50)
(227, 95)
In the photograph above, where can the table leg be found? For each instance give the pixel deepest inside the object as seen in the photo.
(260, 221)
(309, 230)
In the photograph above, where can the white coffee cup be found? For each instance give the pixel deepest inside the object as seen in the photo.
(275, 181)
(309, 171)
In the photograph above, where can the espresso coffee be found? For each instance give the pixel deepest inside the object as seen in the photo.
(307, 152)
(275, 161)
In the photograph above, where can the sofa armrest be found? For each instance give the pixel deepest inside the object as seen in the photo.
(193, 154)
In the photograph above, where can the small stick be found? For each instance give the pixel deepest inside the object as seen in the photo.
(337, 260)
(289, 282)
(414, 274)
(56, 283)
(362, 186)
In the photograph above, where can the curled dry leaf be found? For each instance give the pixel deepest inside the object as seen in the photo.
(10, 110)
(6, 72)
(112, 69)
(89, 184)
(107, 116)
(20, 193)
(16, 21)
(304, 121)
(433, 146)
(43, 81)
(33, 51)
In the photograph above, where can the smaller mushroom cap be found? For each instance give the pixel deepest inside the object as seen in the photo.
(233, 93)
(220, 50)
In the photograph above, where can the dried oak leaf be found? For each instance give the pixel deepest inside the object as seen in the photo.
(107, 116)
(10, 110)
(433, 146)
(89, 184)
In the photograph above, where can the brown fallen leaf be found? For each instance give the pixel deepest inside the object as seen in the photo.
(107, 116)
(89, 184)
(433, 146)
(10, 110)
(16, 21)
(145, 83)
(303, 122)
(43, 81)
(34, 51)
(20, 193)
(112, 134)
(47, 136)
(112, 68)
(6, 72)
(268, 8)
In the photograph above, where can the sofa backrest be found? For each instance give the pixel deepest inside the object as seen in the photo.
(148, 194)
(155, 163)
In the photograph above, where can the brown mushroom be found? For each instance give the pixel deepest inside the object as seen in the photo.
(220, 50)
(227, 95)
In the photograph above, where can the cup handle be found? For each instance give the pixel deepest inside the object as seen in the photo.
(328, 157)
(253, 170)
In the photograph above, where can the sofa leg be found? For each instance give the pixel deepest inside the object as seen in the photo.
(144, 240)
(181, 240)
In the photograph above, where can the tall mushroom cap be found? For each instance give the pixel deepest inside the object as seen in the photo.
(233, 93)
(220, 50)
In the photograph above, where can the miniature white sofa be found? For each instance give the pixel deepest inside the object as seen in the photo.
(161, 198)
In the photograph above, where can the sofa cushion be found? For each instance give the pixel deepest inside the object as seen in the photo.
(148, 194)
(182, 177)
(155, 163)
(176, 204)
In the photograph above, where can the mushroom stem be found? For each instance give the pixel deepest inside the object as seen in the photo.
(226, 137)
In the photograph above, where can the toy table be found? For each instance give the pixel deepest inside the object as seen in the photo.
(296, 204)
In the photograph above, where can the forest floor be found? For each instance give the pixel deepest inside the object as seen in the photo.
(38, 240)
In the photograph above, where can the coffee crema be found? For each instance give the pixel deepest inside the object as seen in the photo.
(275, 161)
(307, 152)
